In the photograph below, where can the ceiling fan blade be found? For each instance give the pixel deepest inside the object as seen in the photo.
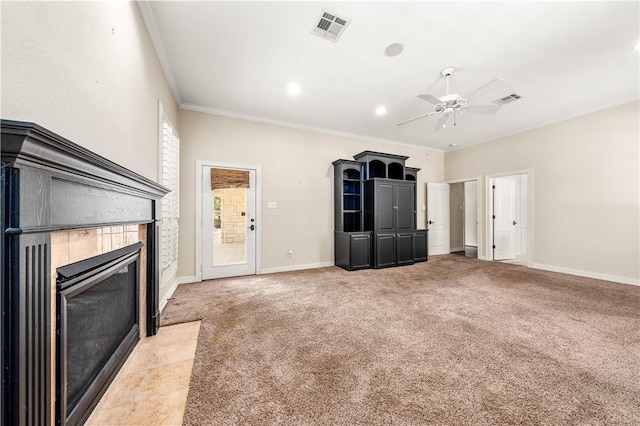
(484, 109)
(483, 90)
(430, 98)
(414, 119)
(442, 122)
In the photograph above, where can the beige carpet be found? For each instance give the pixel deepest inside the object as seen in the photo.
(450, 341)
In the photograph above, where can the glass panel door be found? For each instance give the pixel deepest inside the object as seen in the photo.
(228, 222)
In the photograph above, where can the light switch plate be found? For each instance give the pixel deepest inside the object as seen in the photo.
(272, 205)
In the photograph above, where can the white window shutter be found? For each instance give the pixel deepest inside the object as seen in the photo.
(170, 178)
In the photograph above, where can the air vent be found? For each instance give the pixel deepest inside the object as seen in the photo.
(330, 26)
(507, 99)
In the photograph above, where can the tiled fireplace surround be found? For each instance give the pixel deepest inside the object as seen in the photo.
(60, 204)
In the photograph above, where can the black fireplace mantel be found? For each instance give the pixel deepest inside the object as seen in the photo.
(50, 184)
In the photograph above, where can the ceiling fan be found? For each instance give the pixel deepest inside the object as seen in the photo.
(452, 103)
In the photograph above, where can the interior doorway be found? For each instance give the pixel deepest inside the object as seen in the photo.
(509, 210)
(463, 208)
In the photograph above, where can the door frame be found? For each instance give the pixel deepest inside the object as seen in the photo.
(198, 224)
(488, 192)
(476, 179)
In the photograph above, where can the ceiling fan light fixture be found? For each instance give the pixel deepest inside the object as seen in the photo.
(453, 103)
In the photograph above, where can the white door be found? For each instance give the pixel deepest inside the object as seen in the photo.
(228, 222)
(504, 222)
(438, 218)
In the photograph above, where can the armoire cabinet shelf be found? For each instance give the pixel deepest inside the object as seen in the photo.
(375, 212)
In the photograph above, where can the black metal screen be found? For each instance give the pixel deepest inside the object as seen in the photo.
(98, 320)
(97, 328)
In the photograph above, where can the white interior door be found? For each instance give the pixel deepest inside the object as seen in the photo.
(504, 223)
(228, 222)
(438, 218)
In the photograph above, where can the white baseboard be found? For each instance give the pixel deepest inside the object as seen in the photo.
(170, 292)
(588, 274)
(295, 267)
(174, 286)
(186, 280)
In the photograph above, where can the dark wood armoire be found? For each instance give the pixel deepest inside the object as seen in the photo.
(375, 212)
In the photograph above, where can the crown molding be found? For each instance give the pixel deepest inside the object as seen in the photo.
(265, 120)
(156, 39)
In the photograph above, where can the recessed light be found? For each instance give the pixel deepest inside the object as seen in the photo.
(293, 89)
(381, 110)
(394, 49)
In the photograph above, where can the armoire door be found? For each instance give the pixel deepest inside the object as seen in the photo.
(404, 207)
(404, 249)
(385, 250)
(385, 207)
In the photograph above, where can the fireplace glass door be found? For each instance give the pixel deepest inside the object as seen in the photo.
(98, 327)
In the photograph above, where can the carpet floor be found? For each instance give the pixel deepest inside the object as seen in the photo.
(450, 341)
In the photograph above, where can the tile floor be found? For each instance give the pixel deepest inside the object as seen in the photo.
(152, 386)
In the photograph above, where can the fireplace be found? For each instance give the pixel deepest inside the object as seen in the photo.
(54, 192)
(97, 328)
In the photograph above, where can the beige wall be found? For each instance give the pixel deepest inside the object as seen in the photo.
(87, 71)
(585, 190)
(296, 173)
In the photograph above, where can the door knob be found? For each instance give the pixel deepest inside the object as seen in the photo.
(515, 223)
(430, 222)
(252, 227)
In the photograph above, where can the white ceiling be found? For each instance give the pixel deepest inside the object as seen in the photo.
(236, 58)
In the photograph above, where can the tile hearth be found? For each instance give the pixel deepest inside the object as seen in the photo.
(152, 387)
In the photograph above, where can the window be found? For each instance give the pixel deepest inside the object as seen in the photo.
(169, 177)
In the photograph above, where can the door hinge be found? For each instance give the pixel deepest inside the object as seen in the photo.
(493, 187)
(494, 247)
(494, 216)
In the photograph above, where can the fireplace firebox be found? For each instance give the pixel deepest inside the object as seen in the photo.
(97, 328)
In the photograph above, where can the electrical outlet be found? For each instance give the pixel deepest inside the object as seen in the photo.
(272, 205)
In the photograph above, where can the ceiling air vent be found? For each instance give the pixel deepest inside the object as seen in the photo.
(330, 26)
(507, 99)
